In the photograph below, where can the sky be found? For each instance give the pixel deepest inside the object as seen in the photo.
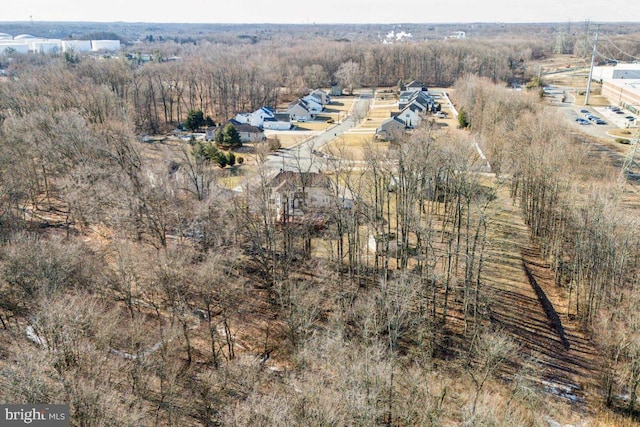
(323, 11)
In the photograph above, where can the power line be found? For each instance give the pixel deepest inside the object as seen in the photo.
(620, 50)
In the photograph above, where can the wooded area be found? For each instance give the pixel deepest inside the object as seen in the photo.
(140, 291)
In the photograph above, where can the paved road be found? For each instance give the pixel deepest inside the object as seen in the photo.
(306, 156)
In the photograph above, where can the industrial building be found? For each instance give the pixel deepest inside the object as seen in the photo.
(619, 71)
(623, 92)
(26, 43)
(620, 85)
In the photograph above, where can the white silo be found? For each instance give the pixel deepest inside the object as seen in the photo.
(46, 46)
(24, 37)
(10, 46)
(102, 45)
(76, 45)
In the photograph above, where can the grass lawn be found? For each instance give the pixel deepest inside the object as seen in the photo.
(230, 182)
(357, 140)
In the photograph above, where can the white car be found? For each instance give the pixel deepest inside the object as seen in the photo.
(441, 115)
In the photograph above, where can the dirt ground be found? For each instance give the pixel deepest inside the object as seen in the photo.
(569, 373)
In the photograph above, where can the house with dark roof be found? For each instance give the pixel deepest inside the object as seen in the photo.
(411, 115)
(298, 111)
(257, 117)
(391, 129)
(422, 98)
(415, 85)
(247, 132)
(336, 89)
(304, 195)
(314, 103)
(279, 121)
(322, 95)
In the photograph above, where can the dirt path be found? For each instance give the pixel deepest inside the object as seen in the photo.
(514, 266)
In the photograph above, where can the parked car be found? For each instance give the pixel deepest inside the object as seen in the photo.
(584, 111)
(582, 121)
(601, 122)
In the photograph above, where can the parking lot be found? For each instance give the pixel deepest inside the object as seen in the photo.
(585, 118)
(619, 118)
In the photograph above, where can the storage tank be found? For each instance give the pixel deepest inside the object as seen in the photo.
(46, 46)
(102, 45)
(5, 36)
(23, 37)
(12, 46)
(76, 45)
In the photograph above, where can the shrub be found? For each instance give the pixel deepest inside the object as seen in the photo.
(623, 140)
(274, 144)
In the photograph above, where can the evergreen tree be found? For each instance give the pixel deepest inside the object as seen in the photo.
(462, 119)
(228, 137)
(195, 119)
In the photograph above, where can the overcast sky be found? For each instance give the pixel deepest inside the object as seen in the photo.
(322, 11)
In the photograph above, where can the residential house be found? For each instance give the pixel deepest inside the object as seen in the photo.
(411, 115)
(257, 117)
(280, 121)
(336, 90)
(391, 129)
(314, 103)
(415, 85)
(425, 100)
(322, 95)
(210, 133)
(308, 195)
(247, 132)
(299, 111)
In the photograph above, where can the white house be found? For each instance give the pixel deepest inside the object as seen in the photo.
(322, 95)
(314, 104)
(414, 85)
(257, 117)
(280, 121)
(411, 115)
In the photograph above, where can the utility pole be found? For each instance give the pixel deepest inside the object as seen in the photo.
(593, 59)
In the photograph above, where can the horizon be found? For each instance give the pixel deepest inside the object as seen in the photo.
(332, 12)
(53, 21)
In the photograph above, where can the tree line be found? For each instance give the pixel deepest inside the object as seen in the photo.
(578, 209)
(222, 80)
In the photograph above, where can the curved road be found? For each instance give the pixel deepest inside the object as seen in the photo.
(303, 157)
